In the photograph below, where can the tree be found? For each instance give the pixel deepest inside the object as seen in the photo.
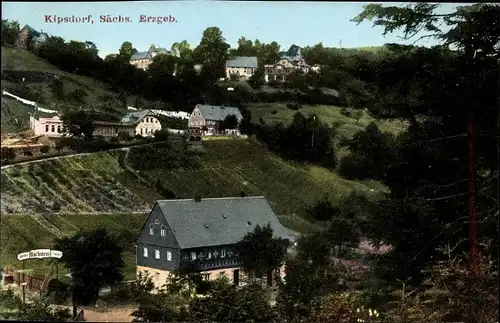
(57, 88)
(39, 310)
(212, 52)
(250, 304)
(94, 259)
(181, 50)
(261, 253)
(433, 198)
(323, 210)
(10, 32)
(126, 51)
(79, 123)
(230, 122)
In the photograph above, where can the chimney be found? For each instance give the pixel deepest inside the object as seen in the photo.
(242, 194)
(197, 198)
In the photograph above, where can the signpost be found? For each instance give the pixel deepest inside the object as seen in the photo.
(38, 254)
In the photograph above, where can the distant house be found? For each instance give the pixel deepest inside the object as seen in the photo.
(209, 119)
(30, 38)
(289, 62)
(143, 59)
(141, 122)
(204, 233)
(50, 127)
(242, 66)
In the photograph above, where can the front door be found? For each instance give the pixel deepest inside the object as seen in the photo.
(236, 277)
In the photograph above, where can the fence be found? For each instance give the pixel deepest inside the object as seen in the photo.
(126, 285)
(32, 281)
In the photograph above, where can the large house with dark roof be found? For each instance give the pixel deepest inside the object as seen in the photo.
(289, 62)
(143, 59)
(31, 38)
(201, 232)
(243, 67)
(208, 118)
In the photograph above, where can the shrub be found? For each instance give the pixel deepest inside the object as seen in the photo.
(346, 112)
(139, 137)
(44, 149)
(78, 95)
(124, 136)
(7, 155)
(161, 135)
(293, 106)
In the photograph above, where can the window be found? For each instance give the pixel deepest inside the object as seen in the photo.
(157, 254)
(206, 276)
(163, 232)
(145, 252)
(59, 129)
(46, 128)
(169, 256)
(151, 230)
(193, 255)
(53, 128)
(223, 253)
(209, 254)
(141, 131)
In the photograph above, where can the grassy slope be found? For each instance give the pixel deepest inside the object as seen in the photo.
(273, 113)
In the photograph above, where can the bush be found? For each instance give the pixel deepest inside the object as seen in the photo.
(44, 149)
(161, 135)
(346, 112)
(138, 137)
(78, 95)
(348, 168)
(293, 106)
(124, 136)
(7, 155)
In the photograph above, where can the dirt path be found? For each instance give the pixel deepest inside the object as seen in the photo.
(115, 314)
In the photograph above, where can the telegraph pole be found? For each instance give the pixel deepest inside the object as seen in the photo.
(471, 148)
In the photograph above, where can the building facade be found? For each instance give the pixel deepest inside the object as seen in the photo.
(209, 118)
(242, 67)
(142, 60)
(290, 61)
(141, 122)
(201, 233)
(50, 127)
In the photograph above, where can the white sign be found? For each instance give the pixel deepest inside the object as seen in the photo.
(39, 254)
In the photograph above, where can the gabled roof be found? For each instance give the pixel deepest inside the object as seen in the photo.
(218, 113)
(139, 55)
(219, 221)
(293, 51)
(136, 116)
(243, 61)
(33, 32)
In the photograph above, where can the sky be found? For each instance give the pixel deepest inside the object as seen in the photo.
(288, 23)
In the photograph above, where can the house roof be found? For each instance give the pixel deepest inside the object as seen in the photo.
(293, 51)
(243, 61)
(219, 221)
(139, 55)
(40, 36)
(218, 113)
(136, 116)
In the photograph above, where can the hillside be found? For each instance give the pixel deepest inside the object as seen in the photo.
(38, 75)
(48, 198)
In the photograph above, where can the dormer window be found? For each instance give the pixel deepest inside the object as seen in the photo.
(163, 232)
(151, 230)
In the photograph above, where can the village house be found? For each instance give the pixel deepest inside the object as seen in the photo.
(209, 118)
(30, 38)
(202, 232)
(243, 67)
(143, 59)
(289, 62)
(141, 122)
